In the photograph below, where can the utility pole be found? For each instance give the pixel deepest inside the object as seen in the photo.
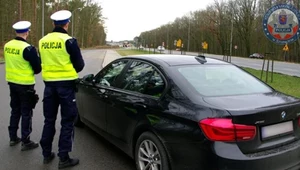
(20, 9)
(168, 38)
(73, 13)
(189, 31)
(231, 37)
(155, 40)
(82, 36)
(73, 23)
(43, 18)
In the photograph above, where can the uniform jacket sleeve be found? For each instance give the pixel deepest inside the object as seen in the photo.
(75, 54)
(30, 54)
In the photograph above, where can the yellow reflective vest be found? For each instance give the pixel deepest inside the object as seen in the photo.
(56, 62)
(18, 70)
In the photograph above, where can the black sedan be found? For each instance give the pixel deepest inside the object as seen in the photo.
(190, 112)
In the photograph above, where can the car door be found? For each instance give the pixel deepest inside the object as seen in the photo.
(97, 93)
(139, 91)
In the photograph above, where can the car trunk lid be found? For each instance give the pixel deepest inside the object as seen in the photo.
(275, 116)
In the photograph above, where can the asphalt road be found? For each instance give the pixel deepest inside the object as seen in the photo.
(279, 67)
(94, 152)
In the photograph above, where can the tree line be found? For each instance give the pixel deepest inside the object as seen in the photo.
(214, 26)
(88, 22)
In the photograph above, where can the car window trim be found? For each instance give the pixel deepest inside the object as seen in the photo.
(122, 74)
(111, 88)
(160, 73)
(137, 93)
(107, 66)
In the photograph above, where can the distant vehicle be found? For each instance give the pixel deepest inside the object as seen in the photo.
(161, 48)
(256, 55)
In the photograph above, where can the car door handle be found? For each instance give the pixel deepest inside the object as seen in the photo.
(140, 105)
(103, 96)
(101, 93)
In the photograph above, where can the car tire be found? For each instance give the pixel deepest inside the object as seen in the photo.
(78, 122)
(156, 157)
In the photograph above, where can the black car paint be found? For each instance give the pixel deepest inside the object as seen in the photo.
(97, 103)
(174, 119)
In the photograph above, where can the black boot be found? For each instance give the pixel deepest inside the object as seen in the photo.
(14, 142)
(28, 146)
(49, 158)
(67, 163)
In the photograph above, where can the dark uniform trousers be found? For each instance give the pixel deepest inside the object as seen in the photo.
(21, 107)
(53, 97)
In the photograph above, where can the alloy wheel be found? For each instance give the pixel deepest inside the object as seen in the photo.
(148, 156)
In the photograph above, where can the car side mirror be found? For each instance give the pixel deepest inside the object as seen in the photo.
(89, 78)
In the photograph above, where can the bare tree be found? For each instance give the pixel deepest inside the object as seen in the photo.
(14, 10)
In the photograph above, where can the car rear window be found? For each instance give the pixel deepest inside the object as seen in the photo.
(221, 80)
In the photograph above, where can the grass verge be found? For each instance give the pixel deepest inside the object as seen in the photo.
(283, 83)
(125, 52)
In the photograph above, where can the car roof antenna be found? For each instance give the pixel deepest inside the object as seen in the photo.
(201, 59)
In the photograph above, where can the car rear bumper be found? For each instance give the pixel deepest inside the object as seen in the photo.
(230, 157)
(227, 156)
(189, 156)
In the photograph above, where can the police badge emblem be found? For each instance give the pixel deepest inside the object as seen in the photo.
(282, 17)
(281, 24)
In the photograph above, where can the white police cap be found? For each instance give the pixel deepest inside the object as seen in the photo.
(61, 17)
(22, 26)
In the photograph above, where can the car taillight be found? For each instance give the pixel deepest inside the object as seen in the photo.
(224, 130)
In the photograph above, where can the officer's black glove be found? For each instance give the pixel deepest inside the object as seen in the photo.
(77, 81)
(33, 98)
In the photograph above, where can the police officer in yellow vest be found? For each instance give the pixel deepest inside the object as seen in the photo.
(61, 61)
(22, 62)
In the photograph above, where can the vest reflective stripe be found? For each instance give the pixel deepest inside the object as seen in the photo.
(55, 71)
(56, 62)
(18, 70)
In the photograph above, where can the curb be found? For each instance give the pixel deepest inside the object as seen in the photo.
(103, 61)
(109, 57)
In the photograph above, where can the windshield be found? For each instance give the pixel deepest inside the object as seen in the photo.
(221, 80)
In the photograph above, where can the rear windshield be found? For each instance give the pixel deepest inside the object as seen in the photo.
(221, 80)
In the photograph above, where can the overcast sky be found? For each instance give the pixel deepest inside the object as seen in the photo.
(128, 18)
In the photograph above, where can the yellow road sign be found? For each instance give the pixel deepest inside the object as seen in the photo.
(205, 45)
(285, 48)
(178, 44)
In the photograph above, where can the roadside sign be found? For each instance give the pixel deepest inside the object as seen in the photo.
(235, 47)
(178, 44)
(175, 42)
(204, 45)
(285, 48)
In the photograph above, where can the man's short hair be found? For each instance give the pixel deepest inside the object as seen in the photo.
(60, 25)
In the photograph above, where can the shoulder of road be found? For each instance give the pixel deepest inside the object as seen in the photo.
(110, 56)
